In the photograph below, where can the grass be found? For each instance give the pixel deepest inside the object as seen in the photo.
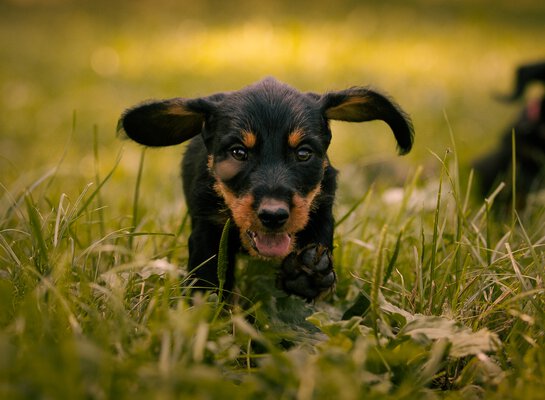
(436, 296)
(429, 303)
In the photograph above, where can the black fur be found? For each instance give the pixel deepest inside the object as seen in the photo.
(259, 157)
(529, 128)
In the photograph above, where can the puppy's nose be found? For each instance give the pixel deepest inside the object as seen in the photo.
(273, 214)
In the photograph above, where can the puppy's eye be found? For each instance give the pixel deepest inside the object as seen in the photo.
(239, 153)
(303, 154)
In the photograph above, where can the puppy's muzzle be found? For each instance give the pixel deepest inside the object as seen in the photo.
(272, 240)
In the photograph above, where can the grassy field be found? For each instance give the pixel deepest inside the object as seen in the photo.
(436, 298)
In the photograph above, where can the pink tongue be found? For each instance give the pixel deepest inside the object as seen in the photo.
(272, 244)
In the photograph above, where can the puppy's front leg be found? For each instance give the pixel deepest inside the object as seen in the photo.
(308, 271)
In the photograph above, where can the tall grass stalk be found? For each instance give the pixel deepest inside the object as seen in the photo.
(223, 258)
(434, 243)
(97, 180)
(378, 272)
(136, 197)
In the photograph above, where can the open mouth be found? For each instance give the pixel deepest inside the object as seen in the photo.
(270, 244)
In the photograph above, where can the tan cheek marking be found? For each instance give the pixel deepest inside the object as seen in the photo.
(249, 139)
(241, 207)
(302, 206)
(226, 169)
(295, 137)
(242, 211)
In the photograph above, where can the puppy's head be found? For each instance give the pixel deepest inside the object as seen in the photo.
(267, 149)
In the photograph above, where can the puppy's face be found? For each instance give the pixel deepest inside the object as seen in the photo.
(266, 148)
(267, 153)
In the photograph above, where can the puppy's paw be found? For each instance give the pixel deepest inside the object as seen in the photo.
(308, 272)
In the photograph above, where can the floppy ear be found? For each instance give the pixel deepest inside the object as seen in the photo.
(362, 104)
(165, 122)
(525, 75)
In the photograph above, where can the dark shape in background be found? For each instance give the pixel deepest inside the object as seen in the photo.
(529, 135)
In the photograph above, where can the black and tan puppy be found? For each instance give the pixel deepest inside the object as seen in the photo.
(259, 157)
(529, 128)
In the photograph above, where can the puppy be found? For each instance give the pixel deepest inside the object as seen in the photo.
(529, 128)
(258, 156)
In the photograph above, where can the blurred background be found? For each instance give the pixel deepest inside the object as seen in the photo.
(69, 68)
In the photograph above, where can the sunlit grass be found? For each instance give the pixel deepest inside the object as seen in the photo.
(431, 301)
(439, 298)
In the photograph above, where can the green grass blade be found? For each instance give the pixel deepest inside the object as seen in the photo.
(393, 259)
(136, 196)
(86, 204)
(525, 284)
(435, 238)
(377, 278)
(513, 179)
(535, 257)
(223, 258)
(354, 207)
(97, 181)
(35, 224)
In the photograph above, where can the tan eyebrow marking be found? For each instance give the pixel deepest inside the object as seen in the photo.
(295, 137)
(249, 139)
